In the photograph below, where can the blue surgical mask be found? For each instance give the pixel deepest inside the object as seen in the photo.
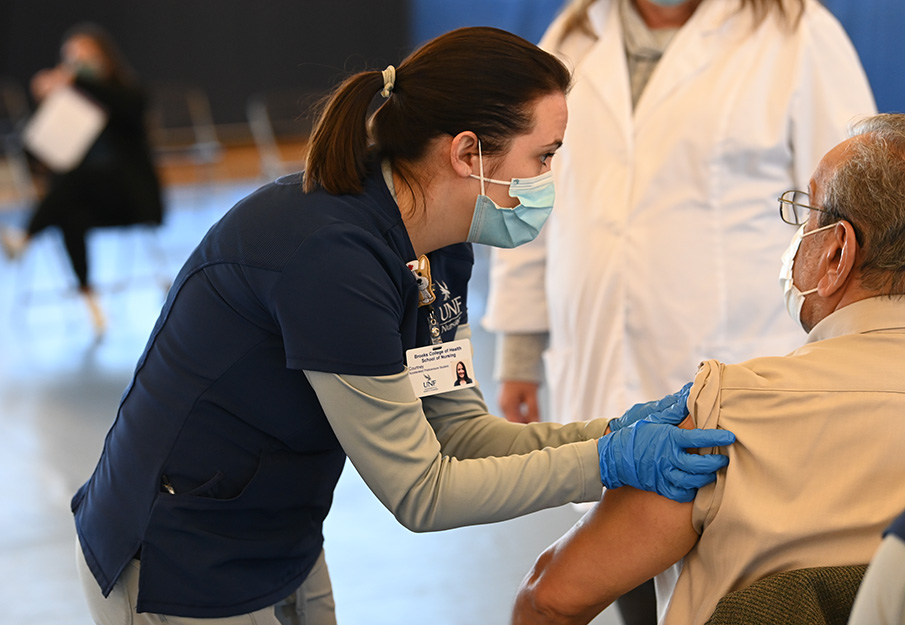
(509, 227)
(669, 3)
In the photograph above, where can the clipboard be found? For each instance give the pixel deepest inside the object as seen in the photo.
(65, 126)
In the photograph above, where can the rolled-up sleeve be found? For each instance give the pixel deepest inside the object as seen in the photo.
(704, 409)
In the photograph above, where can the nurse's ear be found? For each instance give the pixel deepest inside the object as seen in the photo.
(463, 154)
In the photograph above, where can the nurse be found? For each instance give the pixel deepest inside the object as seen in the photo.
(323, 317)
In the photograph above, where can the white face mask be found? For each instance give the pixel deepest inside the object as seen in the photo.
(509, 227)
(794, 298)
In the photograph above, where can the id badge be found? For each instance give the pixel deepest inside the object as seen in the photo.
(440, 368)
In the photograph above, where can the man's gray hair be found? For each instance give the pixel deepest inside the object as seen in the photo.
(868, 190)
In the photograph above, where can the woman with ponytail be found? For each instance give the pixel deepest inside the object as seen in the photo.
(323, 317)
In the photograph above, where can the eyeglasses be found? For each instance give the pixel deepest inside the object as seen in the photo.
(794, 207)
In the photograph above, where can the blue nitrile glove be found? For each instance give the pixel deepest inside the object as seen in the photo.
(653, 457)
(671, 409)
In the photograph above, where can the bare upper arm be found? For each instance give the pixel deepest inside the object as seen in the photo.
(626, 539)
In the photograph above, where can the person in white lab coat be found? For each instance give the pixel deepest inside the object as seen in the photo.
(687, 120)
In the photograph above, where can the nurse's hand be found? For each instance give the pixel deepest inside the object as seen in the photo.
(653, 457)
(671, 409)
(518, 401)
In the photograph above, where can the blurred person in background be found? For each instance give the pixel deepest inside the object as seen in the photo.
(115, 183)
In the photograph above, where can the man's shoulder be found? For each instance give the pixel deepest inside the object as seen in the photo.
(857, 361)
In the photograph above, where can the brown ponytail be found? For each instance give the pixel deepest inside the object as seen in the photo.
(338, 147)
(477, 79)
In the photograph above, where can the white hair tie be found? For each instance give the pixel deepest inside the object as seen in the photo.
(389, 81)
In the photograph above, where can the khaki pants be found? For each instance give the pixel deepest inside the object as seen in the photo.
(311, 604)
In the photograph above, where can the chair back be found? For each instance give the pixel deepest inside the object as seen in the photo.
(813, 596)
(280, 122)
(15, 176)
(182, 129)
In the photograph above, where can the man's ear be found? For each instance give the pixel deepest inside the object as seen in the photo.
(463, 153)
(838, 259)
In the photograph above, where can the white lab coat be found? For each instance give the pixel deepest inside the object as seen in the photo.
(664, 245)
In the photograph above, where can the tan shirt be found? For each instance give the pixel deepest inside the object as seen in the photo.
(817, 471)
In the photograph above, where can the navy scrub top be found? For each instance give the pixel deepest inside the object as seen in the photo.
(220, 411)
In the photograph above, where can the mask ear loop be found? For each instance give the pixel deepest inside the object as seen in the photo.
(481, 166)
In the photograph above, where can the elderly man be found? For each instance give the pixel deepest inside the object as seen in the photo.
(816, 473)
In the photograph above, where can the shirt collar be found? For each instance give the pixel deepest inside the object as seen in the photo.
(641, 41)
(867, 315)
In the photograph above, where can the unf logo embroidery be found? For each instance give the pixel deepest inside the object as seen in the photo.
(450, 310)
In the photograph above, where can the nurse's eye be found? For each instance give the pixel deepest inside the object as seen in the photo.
(546, 158)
